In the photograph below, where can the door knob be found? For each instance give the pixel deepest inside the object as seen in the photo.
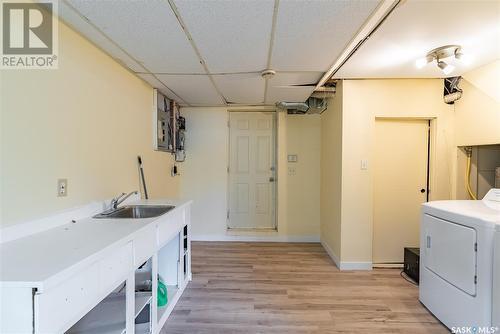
(271, 179)
(422, 190)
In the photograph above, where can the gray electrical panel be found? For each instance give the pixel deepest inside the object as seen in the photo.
(165, 117)
(170, 127)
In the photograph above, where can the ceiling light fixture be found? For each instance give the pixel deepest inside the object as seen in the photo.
(268, 74)
(446, 68)
(441, 53)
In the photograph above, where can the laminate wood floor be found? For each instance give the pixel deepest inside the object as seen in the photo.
(292, 288)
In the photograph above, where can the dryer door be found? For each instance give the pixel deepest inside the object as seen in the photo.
(450, 252)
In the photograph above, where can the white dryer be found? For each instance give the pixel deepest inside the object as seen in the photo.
(457, 240)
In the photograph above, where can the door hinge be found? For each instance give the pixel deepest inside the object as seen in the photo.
(475, 279)
(227, 214)
(228, 169)
(475, 247)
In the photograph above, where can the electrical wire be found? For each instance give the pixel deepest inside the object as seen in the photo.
(403, 274)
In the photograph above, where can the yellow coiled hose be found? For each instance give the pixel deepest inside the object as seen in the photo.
(467, 174)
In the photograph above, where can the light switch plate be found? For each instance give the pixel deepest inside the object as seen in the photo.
(62, 187)
(292, 158)
(364, 164)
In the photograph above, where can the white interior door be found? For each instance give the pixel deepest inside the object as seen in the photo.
(400, 186)
(251, 170)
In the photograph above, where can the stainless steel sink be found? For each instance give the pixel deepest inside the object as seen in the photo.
(136, 211)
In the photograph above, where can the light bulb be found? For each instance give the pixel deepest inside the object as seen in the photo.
(421, 62)
(446, 68)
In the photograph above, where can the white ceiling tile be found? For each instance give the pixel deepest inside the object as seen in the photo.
(148, 30)
(241, 88)
(77, 22)
(311, 34)
(391, 52)
(288, 94)
(194, 89)
(155, 83)
(291, 86)
(295, 78)
(232, 36)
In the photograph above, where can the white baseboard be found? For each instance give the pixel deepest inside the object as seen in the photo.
(388, 265)
(331, 253)
(256, 238)
(356, 266)
(342, 265)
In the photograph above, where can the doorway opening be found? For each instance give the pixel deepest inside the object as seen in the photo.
(252, 171)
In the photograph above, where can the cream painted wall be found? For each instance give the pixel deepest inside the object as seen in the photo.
(331, 174)
(477, 113)
(477, 117)
(86, 121)
(363, 101)
(204, 176)
(303, 187)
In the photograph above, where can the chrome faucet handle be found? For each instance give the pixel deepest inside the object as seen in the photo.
(122, 199)
(114, 201)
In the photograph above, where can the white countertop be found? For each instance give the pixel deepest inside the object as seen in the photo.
(32, 260)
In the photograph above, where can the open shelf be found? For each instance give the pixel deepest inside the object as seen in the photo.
(108, 317)
(141, 300)
(171, 292)
(142, 328)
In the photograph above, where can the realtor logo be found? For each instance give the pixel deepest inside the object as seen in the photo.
(29, 35)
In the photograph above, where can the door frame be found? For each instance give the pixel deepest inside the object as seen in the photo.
(274, 113)
(431, 167)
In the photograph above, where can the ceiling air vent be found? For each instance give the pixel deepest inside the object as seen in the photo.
(312, 105)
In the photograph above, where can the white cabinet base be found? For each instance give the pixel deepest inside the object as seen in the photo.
(77, 297)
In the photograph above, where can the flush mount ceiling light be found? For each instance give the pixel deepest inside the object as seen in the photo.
(441, 53)
(268, 74)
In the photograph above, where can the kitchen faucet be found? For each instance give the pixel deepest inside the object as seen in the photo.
(120, 199)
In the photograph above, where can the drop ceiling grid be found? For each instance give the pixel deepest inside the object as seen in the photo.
(157, 42)
(73, 18)
(232, 36)
(194, 89)
(311, 34)
(195, 48)
(392, 52)
(288, 93)
(154, 82)
(241, 88)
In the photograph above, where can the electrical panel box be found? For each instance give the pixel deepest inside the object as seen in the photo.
(168, 126)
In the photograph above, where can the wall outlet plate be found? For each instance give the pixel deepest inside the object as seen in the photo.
(62, 187)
